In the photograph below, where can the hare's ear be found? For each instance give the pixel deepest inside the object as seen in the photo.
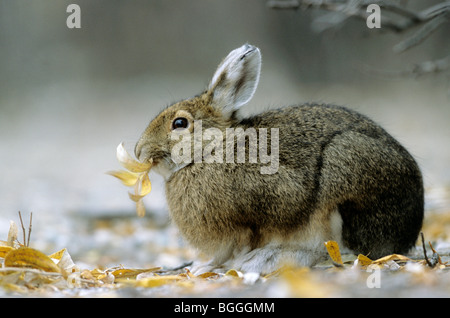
(236, 78)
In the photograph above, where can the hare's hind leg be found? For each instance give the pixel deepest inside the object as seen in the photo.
(378, 189)
(305, 247)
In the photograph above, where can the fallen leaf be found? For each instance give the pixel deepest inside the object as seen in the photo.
(28, 257)
(234, 273)
(209, 275)
(333, 251)
(64, 261)
(156, 281)
(301, 283)
(132, 273)
(364, 260)
(58, 255)
(12, 233)
(392, 257)
(5, 250)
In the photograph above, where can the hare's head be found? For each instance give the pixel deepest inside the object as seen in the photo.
(232, 86)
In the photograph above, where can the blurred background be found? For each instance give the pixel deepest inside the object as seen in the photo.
(68, 97)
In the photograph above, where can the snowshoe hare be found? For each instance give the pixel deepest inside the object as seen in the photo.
(333, 174)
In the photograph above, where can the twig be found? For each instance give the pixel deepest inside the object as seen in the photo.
(23, 229)
(29, 229)
(418, 37)
(436, 256)
(26, 239)
(429, 263)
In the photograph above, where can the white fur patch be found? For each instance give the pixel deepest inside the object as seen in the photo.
(304, 248)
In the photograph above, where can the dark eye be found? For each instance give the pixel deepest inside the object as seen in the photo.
(180, 122)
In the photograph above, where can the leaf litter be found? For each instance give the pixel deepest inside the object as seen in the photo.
(27, 271)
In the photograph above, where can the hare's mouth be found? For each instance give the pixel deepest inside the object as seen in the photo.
(166, 167)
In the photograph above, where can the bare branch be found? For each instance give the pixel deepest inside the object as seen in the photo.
(425, 251)
(23, 229)
(424, 32)
(401, 19)
(288, 4)
(410, 18)
(29, 229)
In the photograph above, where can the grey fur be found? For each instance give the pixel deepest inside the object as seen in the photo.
(330, 159)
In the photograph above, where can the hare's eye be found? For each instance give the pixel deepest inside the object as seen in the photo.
(180, 122)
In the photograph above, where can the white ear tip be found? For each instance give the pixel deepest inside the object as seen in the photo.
(236, 78)
(247, 50)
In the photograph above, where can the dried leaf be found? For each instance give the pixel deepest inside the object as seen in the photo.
(300, 283)
(234, 273)
(140, 208)
(12, 233)
(127, 178)
(129, 163)
(145, 185)
(98, 273)
(333, 251)
(58, 255)
(136, 176)
(64, 261)
(364, 260)
(188, 273)
(132, 273)
(156, 281)
(392, 257)
(209, 275)
(5, 250)
(135, 197)
(28, 257)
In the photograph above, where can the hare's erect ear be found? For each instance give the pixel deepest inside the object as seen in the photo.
(236, 78)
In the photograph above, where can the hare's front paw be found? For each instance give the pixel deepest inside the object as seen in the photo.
(269, 258)
(201, 268)
(260, 260)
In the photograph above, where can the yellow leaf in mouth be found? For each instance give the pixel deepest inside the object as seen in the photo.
(127, 178)
(145, 185)
(135, 197)
(129, 163)
(135, 176)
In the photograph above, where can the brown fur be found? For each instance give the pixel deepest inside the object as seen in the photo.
(330, 159)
